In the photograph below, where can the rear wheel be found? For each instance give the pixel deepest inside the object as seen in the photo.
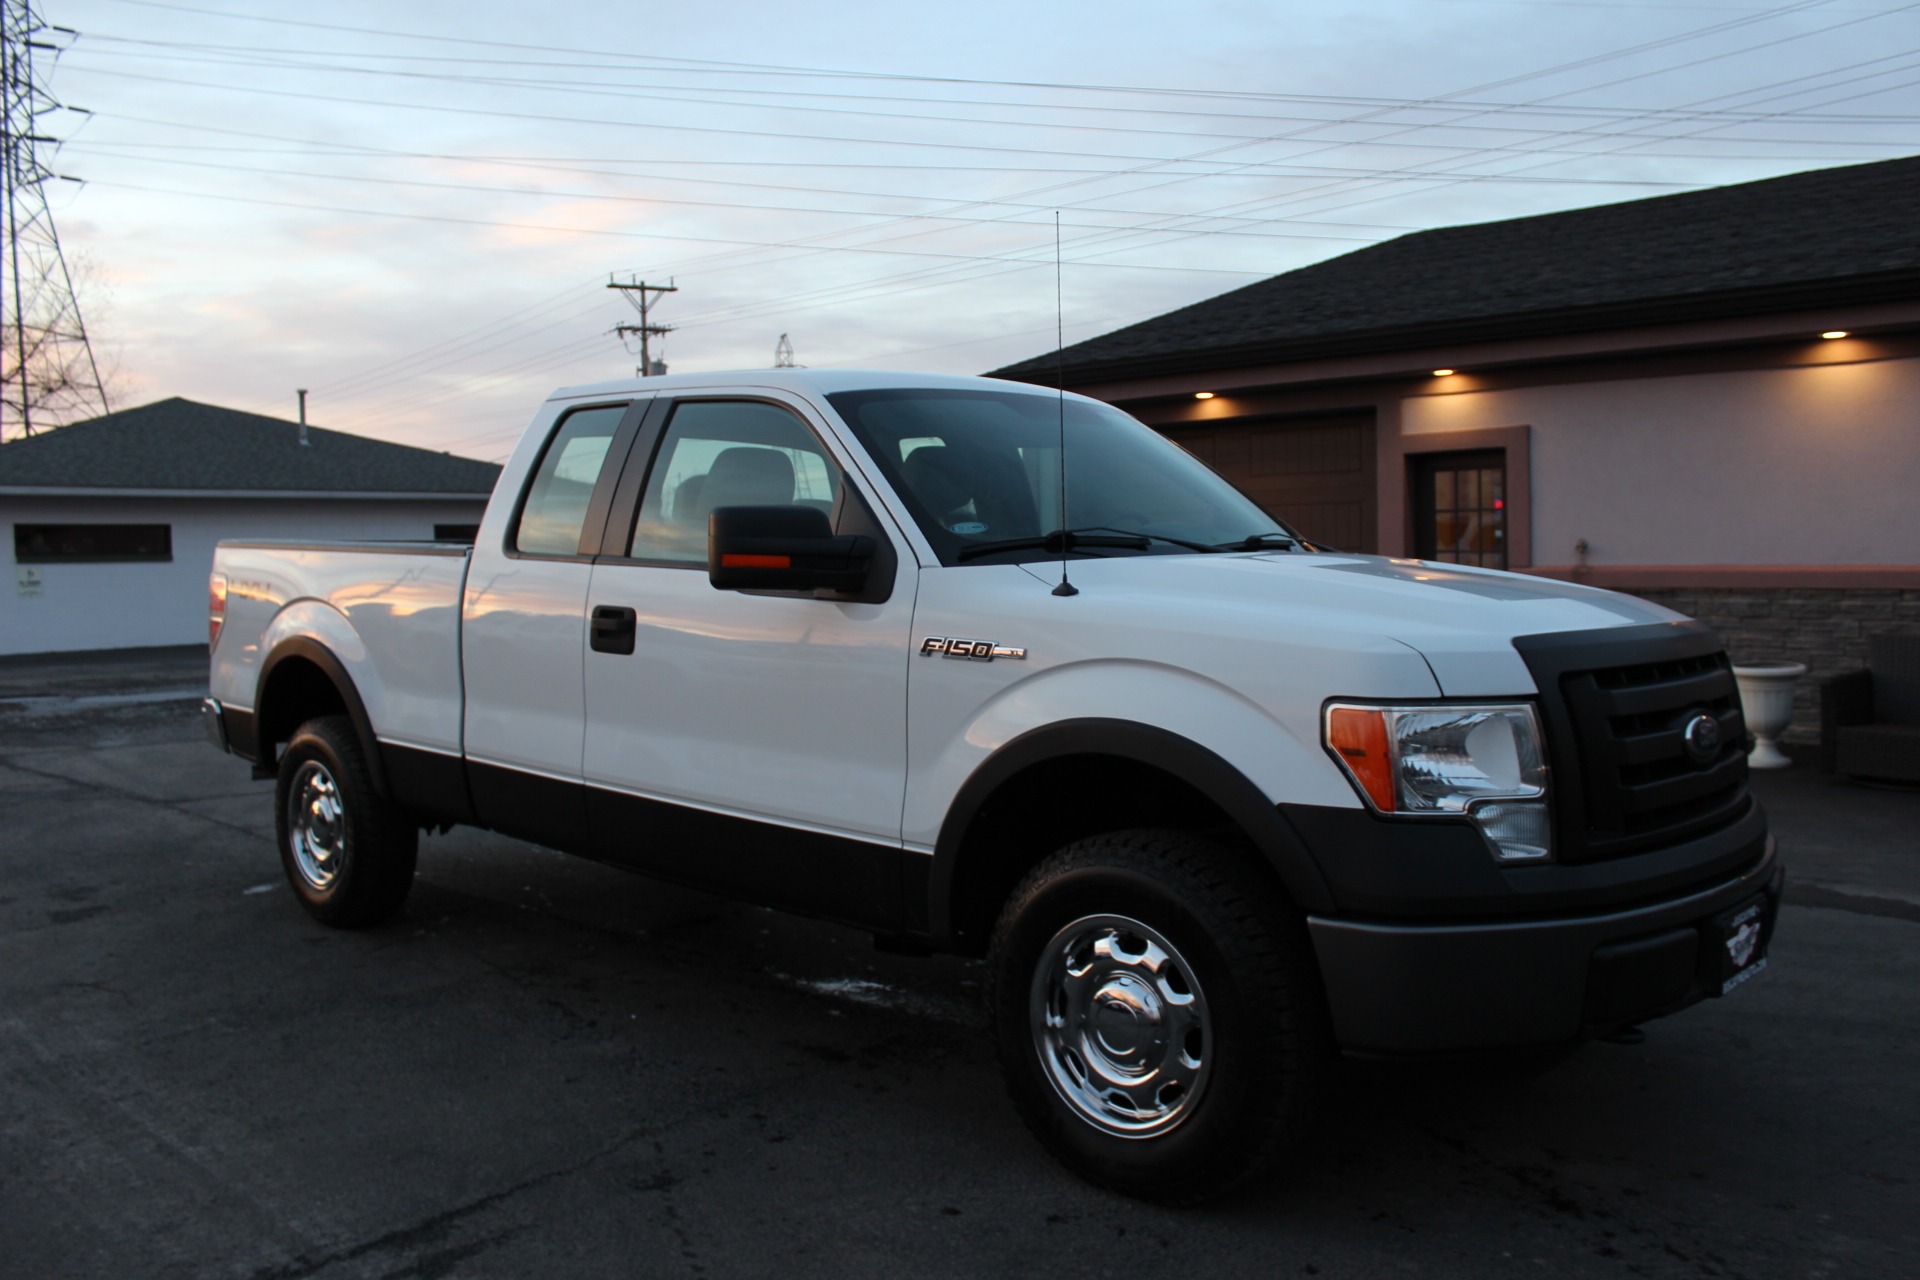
(1158, 1015)
(349, 853)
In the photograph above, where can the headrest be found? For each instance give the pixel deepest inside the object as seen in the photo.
(749, 476)
(931, 473)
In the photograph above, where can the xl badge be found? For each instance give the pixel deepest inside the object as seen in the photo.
(974, 650)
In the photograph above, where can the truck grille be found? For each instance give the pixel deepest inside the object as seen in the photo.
(1616, 705)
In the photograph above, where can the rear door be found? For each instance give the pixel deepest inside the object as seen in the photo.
(751, 742)
(523, 630)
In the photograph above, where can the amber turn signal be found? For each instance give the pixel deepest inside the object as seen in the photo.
(1359, 734)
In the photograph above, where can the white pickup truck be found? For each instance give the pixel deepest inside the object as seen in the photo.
(1217, 804)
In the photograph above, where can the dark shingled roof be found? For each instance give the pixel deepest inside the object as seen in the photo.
(1848, 234)
(181, 444)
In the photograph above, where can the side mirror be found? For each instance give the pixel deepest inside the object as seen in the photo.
(783, 549)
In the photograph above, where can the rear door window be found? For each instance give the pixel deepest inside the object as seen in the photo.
(555, 511)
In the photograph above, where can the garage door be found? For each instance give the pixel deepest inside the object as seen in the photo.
(1315, 473)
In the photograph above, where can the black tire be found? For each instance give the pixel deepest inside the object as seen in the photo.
(1233, 986)
(348, 852)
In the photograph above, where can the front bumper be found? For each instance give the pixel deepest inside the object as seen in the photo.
(1417, 989)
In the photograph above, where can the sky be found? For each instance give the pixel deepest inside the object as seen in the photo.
(414, 210)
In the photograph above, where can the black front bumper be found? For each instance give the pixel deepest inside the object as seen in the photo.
(1397, 988)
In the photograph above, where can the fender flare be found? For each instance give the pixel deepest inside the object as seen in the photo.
(1182, 758)
(336, 672)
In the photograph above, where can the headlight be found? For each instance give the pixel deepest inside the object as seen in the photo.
(1481, 761)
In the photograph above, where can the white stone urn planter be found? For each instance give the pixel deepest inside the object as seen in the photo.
(1766, 697)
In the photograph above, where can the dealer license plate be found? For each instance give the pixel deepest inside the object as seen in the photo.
(1743, 942)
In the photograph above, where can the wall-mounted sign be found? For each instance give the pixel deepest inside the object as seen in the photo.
(28, 581)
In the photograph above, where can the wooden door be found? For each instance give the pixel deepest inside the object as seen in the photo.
(1460, 507)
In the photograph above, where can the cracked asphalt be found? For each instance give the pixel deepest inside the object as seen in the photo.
(549, 1068)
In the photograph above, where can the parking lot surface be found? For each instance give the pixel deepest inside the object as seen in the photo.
(549, 1068)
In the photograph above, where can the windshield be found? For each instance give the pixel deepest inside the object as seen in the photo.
(979, 468)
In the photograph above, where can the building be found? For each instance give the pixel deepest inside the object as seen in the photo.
(1711, 399)
(112, 522)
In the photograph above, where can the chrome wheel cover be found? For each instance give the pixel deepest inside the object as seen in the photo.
(316, 826)
(1121, 1026)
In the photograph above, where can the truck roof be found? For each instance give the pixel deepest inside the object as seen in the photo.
(820, 381)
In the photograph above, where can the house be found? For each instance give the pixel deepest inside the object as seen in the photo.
(112, 522)
(1710, 399)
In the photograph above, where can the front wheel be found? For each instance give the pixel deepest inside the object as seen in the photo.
(1158, 1015)
(348, 852)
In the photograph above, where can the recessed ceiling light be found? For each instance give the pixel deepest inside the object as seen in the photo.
(1441, 373)
(1203, 395)
(1834, 333)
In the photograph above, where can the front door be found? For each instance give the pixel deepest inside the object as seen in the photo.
(753, 742)
(1460, 507)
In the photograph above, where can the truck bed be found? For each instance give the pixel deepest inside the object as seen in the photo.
(390, 611)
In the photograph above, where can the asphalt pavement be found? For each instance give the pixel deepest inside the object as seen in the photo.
(549, 1068)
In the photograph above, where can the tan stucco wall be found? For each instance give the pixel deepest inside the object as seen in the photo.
(1799, 466)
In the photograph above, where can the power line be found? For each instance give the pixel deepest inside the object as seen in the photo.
(718, 66)
(301, 60)
(1451, 112)
(1293, 199)
(603, 231)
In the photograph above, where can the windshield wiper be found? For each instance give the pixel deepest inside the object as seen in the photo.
(1157, 537)
(1261, 542)
(1059, 542)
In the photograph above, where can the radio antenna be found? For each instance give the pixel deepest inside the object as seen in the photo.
(1064, 588)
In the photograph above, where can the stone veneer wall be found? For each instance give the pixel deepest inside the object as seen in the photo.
(1826, 628)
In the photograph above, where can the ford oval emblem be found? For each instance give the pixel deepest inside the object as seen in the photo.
(1702, 738)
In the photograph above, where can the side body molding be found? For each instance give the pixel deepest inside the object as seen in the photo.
(1181, 758)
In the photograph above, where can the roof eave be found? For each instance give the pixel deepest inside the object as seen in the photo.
(1852, 290)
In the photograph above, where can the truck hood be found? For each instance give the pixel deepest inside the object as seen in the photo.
(1461, 620)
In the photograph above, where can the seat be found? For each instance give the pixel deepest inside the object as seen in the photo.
(974, 488)
(932, 475)
(686, 502)
(748, 476)
(1870, 720)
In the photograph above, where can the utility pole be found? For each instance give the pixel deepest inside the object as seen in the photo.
(637, 292)
(47, 371)
(783, 354)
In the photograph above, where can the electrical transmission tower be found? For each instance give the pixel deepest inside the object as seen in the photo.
(636, 292)
(47, 372)
(783, 354)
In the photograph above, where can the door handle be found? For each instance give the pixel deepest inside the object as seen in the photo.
(611, 629)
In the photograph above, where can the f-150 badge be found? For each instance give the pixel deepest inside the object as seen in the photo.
(973, 650)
